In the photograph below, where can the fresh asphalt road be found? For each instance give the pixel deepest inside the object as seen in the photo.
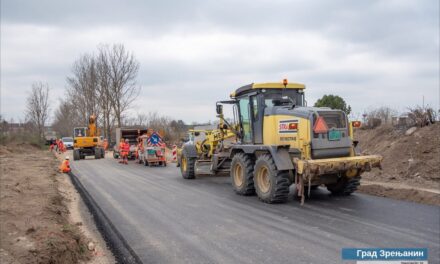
(167, 219)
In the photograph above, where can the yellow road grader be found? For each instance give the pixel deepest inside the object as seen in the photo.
(275, 141)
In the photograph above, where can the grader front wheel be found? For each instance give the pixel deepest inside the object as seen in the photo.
(187, 166)
(271, 185)
(242, 169)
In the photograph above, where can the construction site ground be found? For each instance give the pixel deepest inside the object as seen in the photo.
(167, 219)
(42, 217)
(411, 165)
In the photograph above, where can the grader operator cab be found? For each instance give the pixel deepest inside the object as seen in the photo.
(86, 141)
(280, 141)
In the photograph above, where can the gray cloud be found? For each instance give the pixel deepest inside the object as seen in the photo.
(193, 53)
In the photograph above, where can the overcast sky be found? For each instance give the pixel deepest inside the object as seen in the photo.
(193, 53)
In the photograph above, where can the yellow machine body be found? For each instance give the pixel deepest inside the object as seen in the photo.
(279, 141)
(86, 141)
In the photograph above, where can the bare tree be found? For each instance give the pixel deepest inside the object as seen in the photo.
(104, 85)
(378, 116)
(64, 120)
(82, 88)
(37, 109)
(122, 69)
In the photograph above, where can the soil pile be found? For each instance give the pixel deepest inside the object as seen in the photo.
(33, 217)
(411, 157)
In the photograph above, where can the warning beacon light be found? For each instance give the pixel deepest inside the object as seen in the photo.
(356, 123)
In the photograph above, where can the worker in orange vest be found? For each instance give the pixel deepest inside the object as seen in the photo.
(121, 143)
(65, 165)
(56, 145)
(125, 149)
(52, 145)
(105, 144)
(62, 147)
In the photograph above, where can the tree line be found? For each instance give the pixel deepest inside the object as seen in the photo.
(103, 84)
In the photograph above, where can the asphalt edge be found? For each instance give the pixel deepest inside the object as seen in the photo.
(115, 241)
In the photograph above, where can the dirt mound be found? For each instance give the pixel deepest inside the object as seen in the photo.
(410, 158)
(411, 195)
(33, 217)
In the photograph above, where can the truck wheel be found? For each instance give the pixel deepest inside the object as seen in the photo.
(102, 153)
(271, 185)
(187, 166)
(76, 155)
(97, 153)
(345, 186)
(242, 174)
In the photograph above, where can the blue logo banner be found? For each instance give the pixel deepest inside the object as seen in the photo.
(384, 254)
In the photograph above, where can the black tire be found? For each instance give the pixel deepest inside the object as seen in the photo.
(271, 185)
(187, 167)
(345, 186)
(76, 155)
(145, 163)
(242, 174)
(97, 153)
(115, 154)
(102, 153)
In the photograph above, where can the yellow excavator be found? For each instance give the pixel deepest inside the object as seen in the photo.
(87, 142)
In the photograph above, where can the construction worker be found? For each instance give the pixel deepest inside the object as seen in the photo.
(65, 165)
(52, 145)
(56, 145)
(105, 144)
(62, 147)
(121, 143)
(125, 149)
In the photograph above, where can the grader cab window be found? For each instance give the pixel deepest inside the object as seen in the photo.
(245, 120)
(274, 97)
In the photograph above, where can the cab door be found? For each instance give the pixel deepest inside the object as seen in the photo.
(257, 118)
(245, 119)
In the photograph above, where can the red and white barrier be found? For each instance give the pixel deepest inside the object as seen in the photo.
(174, 153)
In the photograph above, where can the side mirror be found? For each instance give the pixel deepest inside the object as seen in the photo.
(219, 109)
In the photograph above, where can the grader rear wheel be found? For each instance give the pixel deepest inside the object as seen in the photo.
(344, 186)
(242, 177)
(271, 185)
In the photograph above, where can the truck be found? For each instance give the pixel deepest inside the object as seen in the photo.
(130, 133)
(152, 150)
(279, 141)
